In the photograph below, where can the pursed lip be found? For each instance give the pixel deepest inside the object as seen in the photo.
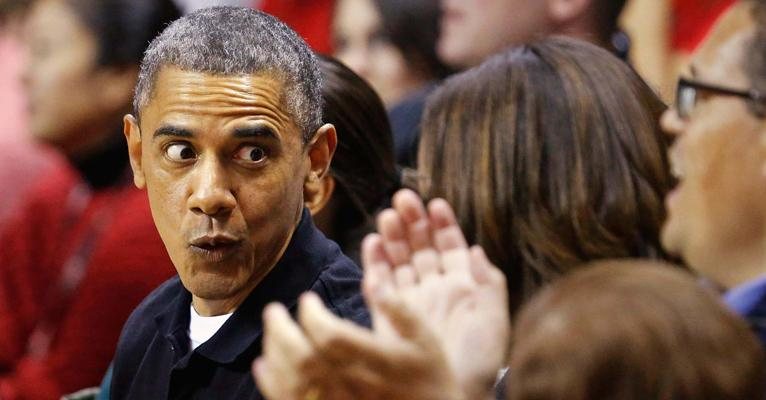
(215, 247)
(214, 240)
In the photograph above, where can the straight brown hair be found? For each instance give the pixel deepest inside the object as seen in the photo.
(551, 155)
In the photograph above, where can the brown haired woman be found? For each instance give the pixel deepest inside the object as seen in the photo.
(551, 155)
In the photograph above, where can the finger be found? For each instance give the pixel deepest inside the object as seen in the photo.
(417, 226)
(377, 270)
(392, 230)
(483, 271)
(373, 253)
(285, 347)
(378, 278)
(447, 234)
(480, 266)
(341, 341)
(268, 382)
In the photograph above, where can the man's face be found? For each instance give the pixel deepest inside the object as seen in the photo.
(716, 213)
(472, 30)
(224, 166)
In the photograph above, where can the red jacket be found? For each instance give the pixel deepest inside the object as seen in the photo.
(312, 19)
(112, 233)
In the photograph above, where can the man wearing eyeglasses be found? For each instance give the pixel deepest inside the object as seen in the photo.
(717, 213)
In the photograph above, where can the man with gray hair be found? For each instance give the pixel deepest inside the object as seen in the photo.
(228, 141)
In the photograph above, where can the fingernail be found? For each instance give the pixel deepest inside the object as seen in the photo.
(270, 310)
(309, 297)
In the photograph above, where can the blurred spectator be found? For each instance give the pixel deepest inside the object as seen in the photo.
(392, 44)
(665, 33)
(565, 162)
(12, 105)
(84, 250)
(21, 161)
(632, 330)
(472, 30)
(363, 174)
(716, 215)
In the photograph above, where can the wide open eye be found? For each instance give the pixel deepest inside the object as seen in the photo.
(180, 152)
(251, 154)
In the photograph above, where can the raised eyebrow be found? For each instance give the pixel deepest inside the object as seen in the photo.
(170, 130)
(255, 132)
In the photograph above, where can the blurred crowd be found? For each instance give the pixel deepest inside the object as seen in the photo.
(524, 199)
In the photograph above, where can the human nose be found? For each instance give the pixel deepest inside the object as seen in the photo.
(211, 194)
(671, 123)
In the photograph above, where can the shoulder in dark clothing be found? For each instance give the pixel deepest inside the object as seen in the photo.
(405, 125)
(153, 358)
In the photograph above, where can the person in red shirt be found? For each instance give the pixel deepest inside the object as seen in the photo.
(21, 161)
(83, 251)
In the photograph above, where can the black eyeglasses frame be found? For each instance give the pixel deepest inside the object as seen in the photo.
(753, 96)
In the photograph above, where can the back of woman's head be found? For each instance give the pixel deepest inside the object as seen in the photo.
(551, 155)
(363, 165)
(632, 330)
(124, 28)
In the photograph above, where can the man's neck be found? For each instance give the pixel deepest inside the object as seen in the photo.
(212, 308)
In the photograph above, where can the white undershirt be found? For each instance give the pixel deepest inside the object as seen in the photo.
(201, 329)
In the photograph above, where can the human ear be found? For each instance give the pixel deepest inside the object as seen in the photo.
(133, 135)
(320, 152)
(318, 192)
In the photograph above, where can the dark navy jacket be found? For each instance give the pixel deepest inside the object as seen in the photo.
(153, 360)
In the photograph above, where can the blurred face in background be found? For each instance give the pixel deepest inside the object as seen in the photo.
(360, 43)
(69, 94)
(472, 30)
(716, 213)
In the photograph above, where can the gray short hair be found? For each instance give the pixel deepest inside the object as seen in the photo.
(238, 41)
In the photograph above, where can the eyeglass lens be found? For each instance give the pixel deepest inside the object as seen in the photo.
(686, 97)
